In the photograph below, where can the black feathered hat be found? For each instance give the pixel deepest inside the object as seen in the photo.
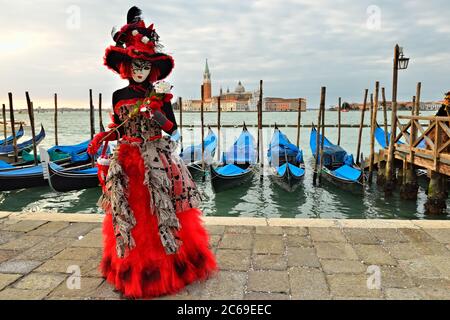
(136, 41)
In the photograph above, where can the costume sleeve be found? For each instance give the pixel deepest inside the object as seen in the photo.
(115, 116)
(168, 111)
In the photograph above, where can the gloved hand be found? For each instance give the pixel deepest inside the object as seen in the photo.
(98, 139)
(162, 120)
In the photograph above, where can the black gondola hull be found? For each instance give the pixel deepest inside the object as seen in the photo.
(65, 181)
(8, 183)
(221, 182)
(288, 181)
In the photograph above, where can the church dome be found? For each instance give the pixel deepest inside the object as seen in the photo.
(240, 88)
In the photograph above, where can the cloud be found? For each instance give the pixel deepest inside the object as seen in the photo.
(295, 46)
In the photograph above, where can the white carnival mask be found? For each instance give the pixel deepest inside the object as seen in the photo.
(140, 70)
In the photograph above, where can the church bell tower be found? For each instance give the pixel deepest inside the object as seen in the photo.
(207, 83)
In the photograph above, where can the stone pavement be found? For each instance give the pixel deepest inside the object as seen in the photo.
(258, 259)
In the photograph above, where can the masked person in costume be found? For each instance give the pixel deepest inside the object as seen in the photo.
(154, 242)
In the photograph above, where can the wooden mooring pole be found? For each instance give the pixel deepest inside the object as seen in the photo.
(56, 119)
(4, 122)
(319, 121)
(385, 122)
(260, 132)
(361, 126)
(322, 140)
(33, 131)
(100, 116)
(13, 128)
(92, 123)
(372, 132)
(219, 111)
(180, 125)
(339, 121)
(390, 169)
(203, 133)
(299, 121)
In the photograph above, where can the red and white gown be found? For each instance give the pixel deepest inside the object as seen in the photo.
(154, 241)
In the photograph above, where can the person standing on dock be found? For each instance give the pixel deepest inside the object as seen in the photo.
(154, 242)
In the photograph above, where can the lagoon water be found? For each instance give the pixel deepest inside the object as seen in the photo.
(258, 199)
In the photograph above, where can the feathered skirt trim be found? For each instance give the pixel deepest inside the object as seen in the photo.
(146, 270)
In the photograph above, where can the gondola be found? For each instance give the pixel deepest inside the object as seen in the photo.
(6, 152)
(63, 180)
(9, 140)
(338, 166)
(286, 161)
(238, 164)
(33, 176)
(61, 155)
(192, 155)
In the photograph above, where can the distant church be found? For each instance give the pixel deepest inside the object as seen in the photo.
(238, 100)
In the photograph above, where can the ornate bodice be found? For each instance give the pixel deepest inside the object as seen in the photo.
(138, 126)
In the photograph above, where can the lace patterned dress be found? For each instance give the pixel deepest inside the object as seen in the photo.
(154, 241)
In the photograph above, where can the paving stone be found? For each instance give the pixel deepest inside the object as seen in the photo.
(266, 296)
(302, 257)
(6, 255)
(419, 268)
(226, 285)
(268, 281)
(441, 235)
(22, 267)
(217, 230)
(360, 236)
(326, 235)
(331, 266)
(88, 287)
(441, 263)
(298, 241)
(269, 230)
(345, 285)
(6, 236)
(269, 244)
(388, 235)
(239, 229)
(38, 281)
(79, 254)
(308, 284)
(49, 229)
(435, 289)
(18, 294)
(374, 254)
(416, 235)
(74, 230)
(22, 243)
(91, 240)
(394, 277)
(214, 240)
(7, 279)
(431, 248)
(24, 226)
(342, 251)
(237, 260)
(106, 290)
(236, 241)
(269, 262)
(300, 231)
(88, 268)
(403, 294)
(402, 251)
(45, 249)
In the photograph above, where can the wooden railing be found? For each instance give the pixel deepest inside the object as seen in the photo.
(436, 137)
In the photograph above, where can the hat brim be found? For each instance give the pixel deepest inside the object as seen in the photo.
(114, 56)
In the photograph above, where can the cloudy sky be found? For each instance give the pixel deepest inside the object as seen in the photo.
(295, 46)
